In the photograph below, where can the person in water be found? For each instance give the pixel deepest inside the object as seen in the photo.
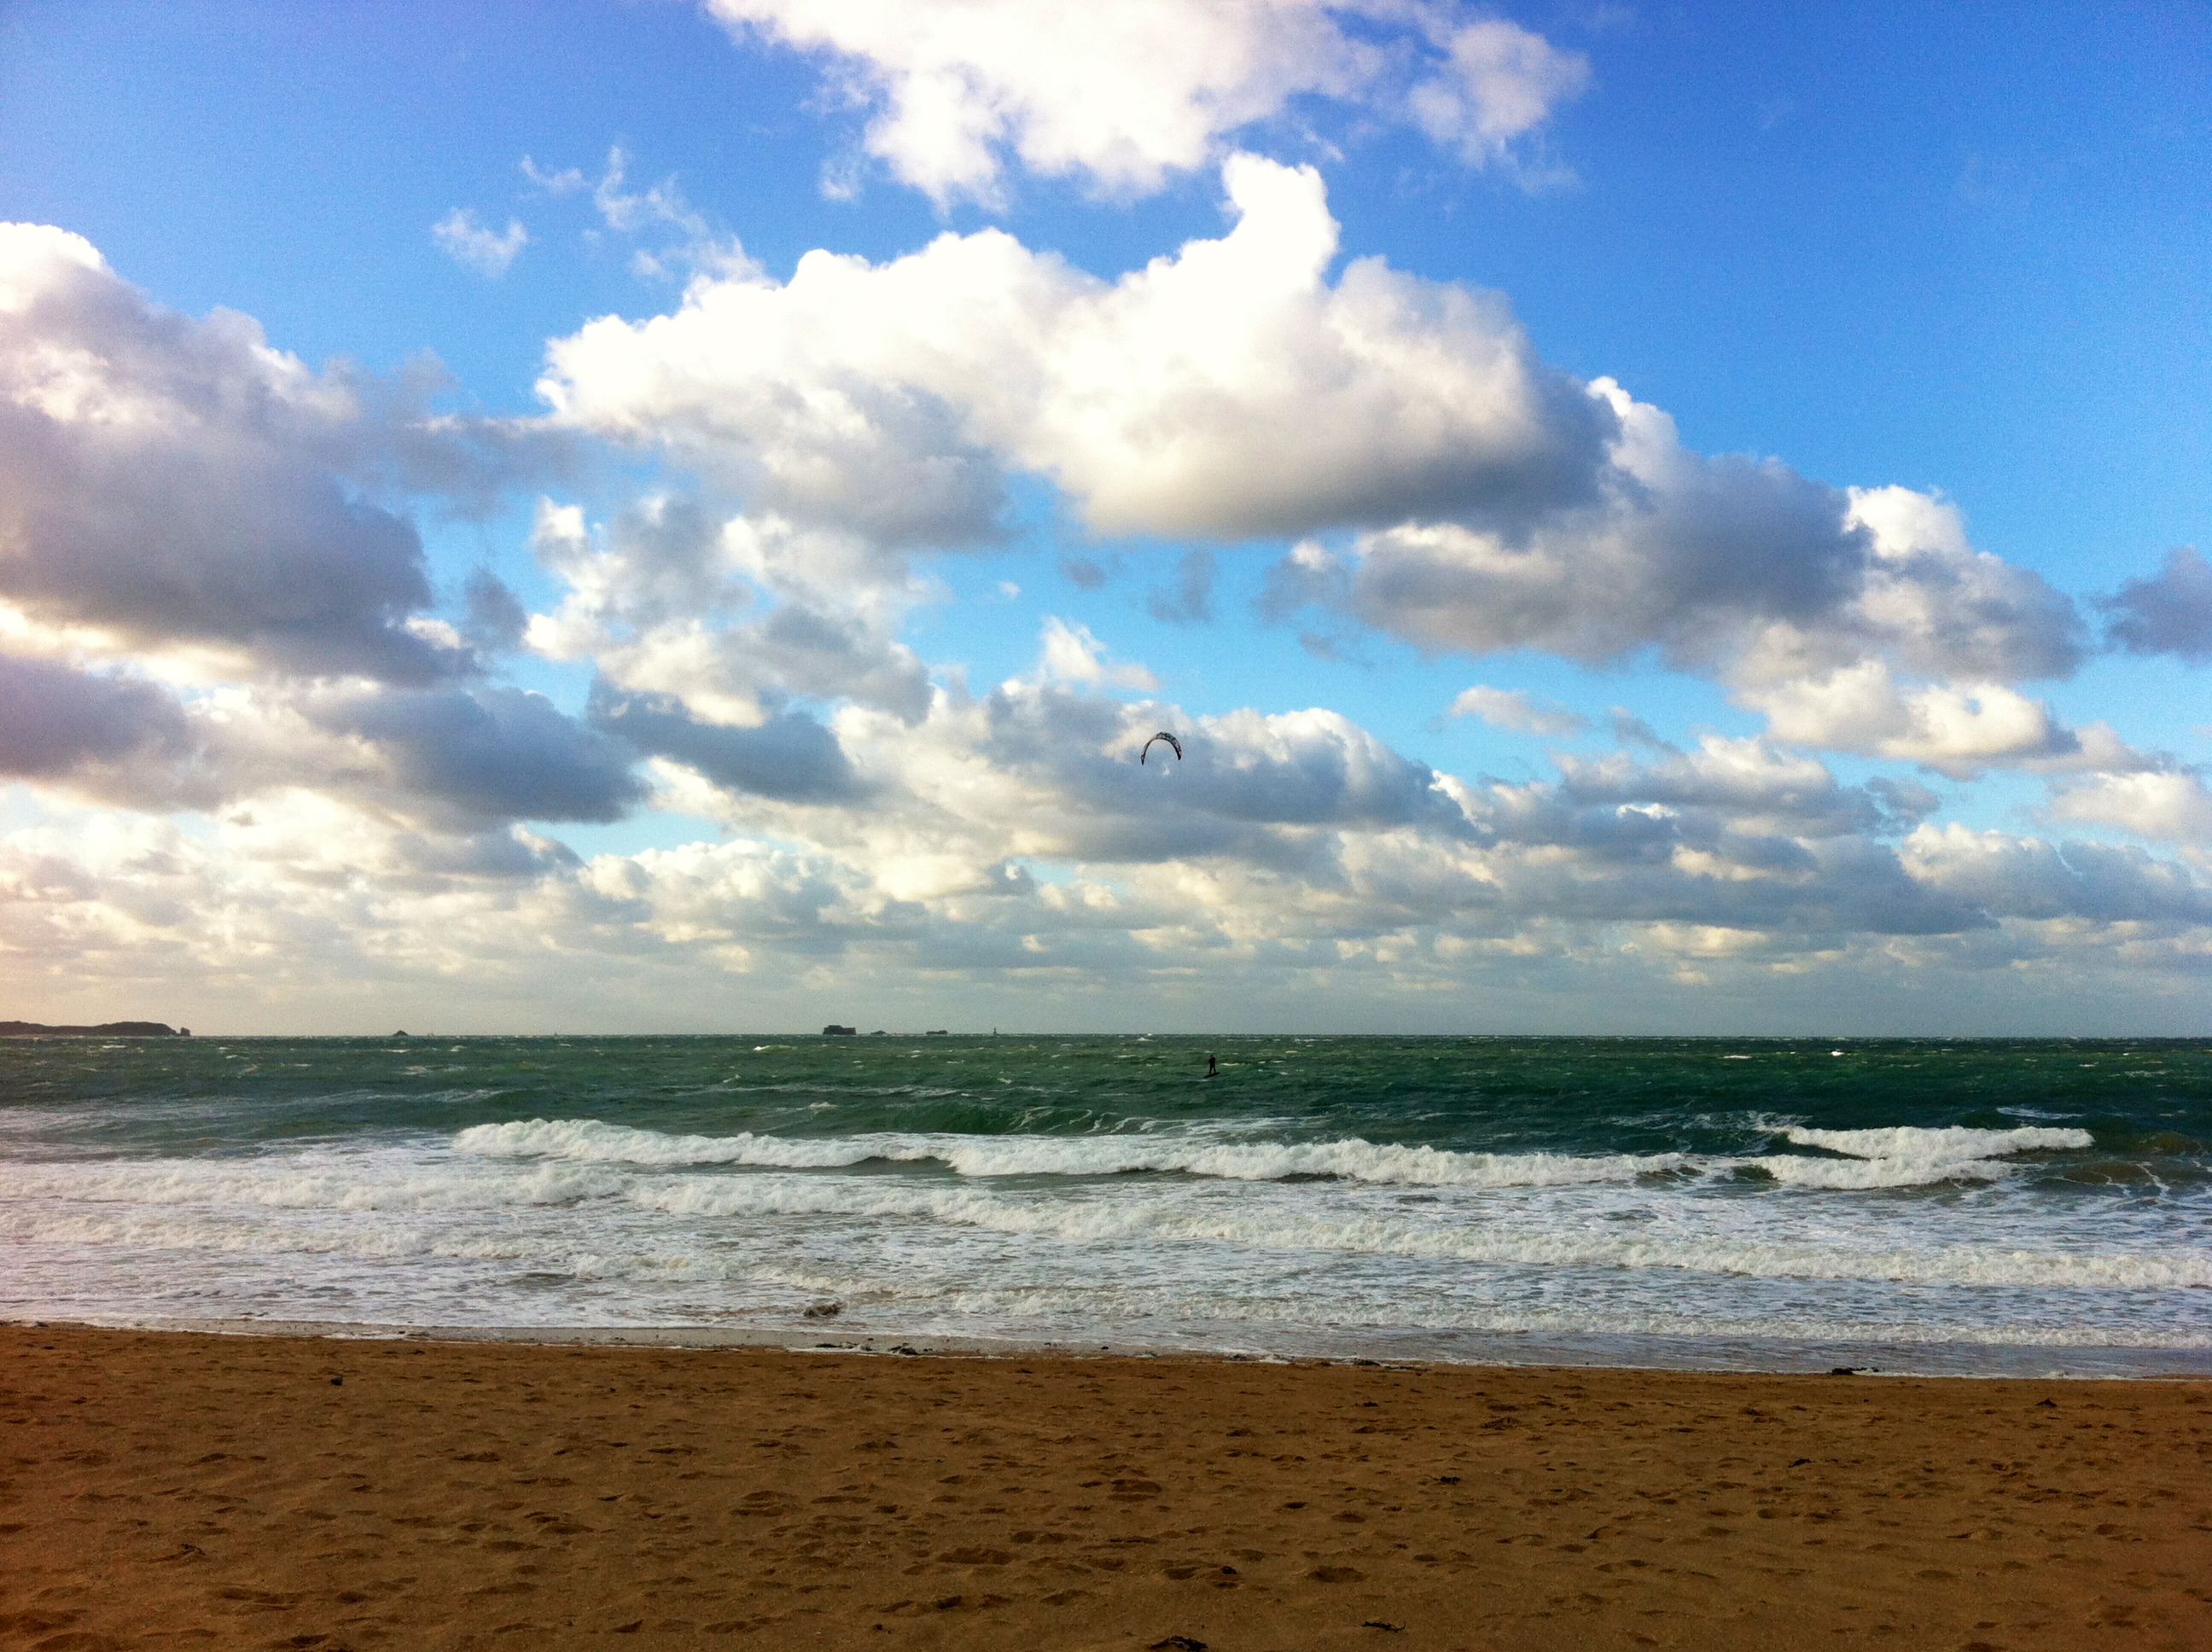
(1213, 1067)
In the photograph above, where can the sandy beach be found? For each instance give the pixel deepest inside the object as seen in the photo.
(167, 1488)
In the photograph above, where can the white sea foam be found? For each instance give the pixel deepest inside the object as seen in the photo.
(1354, 1160)
(1107, 1220)
(1906, 1156)
(293, 1185)
(1955, 1142)
(1866, 1173)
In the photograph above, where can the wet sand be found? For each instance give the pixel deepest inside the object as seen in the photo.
(165, 1489)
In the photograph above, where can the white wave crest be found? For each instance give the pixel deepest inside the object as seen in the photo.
(1350, 1159)
(1863, 1173)
(1956, 1142)
(590, 1141)
(306, 1186)
(1908, 1156)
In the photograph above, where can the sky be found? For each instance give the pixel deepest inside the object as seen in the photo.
(662, 517)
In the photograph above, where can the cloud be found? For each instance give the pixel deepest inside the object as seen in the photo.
(189, 498)
(1123, 97)
(2170, 614)
(1190, 601)
(2032, 879)
(568, 180)
(489, 253)
(1958, 730)
(463, 759)
(1516, 709)
(494, 616)
(1072, 654)
(1230, 392)
(1727, 566)
(456, 759)
(790, 756)
(1750, 784)
(56, 721)
(1501, 83)
(1235, 390)
(665, 600)
(1291, 859)
(2174, 804)
(169, 485)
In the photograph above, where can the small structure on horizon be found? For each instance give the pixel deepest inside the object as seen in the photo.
(833, 1030)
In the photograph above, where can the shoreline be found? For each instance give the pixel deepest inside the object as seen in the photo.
(1470, 1351)
(350, 1494)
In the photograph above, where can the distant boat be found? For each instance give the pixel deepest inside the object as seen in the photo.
(833, 1030)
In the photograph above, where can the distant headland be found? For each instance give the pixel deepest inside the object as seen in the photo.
(106, 1029)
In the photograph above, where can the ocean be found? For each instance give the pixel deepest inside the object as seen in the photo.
(1969, 1206)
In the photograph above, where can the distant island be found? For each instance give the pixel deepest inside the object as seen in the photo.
(106, 1029)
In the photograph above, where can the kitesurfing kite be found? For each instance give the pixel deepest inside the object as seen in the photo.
(1174, 745)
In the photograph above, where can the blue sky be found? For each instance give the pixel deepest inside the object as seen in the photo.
(1962, 254)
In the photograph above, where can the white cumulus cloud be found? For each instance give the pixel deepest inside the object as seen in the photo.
(1124, 95)
(2174, 804)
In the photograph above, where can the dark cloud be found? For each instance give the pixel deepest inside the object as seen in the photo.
(2170, 614)
(494, 616)
(790, 757)
(177, 482)
(55, 720)
(482, 756)
(169, 537)
(1724, 566)
(803, 649)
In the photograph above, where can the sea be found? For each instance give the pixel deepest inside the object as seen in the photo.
(1976, 1207)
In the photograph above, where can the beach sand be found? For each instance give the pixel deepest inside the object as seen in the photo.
(161, 1489)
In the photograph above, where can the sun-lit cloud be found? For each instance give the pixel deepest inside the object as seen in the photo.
(1124, 97)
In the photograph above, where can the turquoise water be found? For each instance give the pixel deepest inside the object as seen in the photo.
(1934, 1205)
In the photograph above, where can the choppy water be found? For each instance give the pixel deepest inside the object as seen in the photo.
(1931, 1206)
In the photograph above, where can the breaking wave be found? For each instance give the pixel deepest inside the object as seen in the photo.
(590, 1141)
(1907, 1155)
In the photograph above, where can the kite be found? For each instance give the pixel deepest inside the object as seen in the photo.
(1174, 745)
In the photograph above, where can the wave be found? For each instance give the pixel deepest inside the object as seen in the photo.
(1957, 1142)
(1796, 1171)
(294, 1186)
(1186, 1221)
(1173, 1217)
(1909, 1156)
(1352, 1159)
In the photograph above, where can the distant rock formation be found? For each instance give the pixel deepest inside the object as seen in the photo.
(106, 1029)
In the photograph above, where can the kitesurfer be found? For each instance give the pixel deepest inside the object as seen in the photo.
(1173, 744)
